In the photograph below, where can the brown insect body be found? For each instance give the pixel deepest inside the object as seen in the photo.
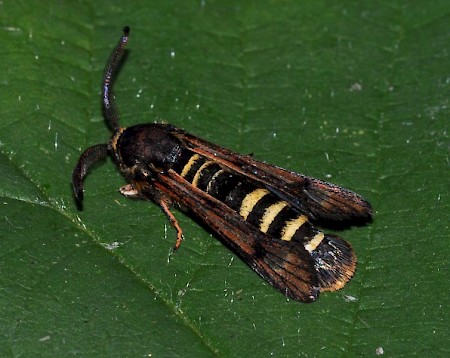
(262, 212)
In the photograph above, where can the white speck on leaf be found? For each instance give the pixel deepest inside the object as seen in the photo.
(356, 87)
(379, 351)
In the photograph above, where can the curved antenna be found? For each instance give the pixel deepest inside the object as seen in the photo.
(109, 104)
(90, 156)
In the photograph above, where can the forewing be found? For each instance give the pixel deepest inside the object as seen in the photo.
(316, 198)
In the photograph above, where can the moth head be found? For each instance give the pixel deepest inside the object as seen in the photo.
(145, 147)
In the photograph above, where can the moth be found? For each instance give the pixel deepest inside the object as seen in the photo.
(264, 213)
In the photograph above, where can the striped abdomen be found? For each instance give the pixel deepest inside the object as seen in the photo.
(333, 257)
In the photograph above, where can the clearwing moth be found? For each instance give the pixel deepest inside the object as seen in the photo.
(264, 213)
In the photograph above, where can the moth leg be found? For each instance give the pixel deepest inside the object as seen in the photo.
(131, 191)
(139, 190)
(164, 203)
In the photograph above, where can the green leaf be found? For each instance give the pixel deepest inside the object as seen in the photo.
(353, 93)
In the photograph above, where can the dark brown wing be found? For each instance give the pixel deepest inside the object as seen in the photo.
(316, 198)
(285, 265)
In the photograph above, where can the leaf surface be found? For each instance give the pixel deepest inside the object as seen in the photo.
(356, 94)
